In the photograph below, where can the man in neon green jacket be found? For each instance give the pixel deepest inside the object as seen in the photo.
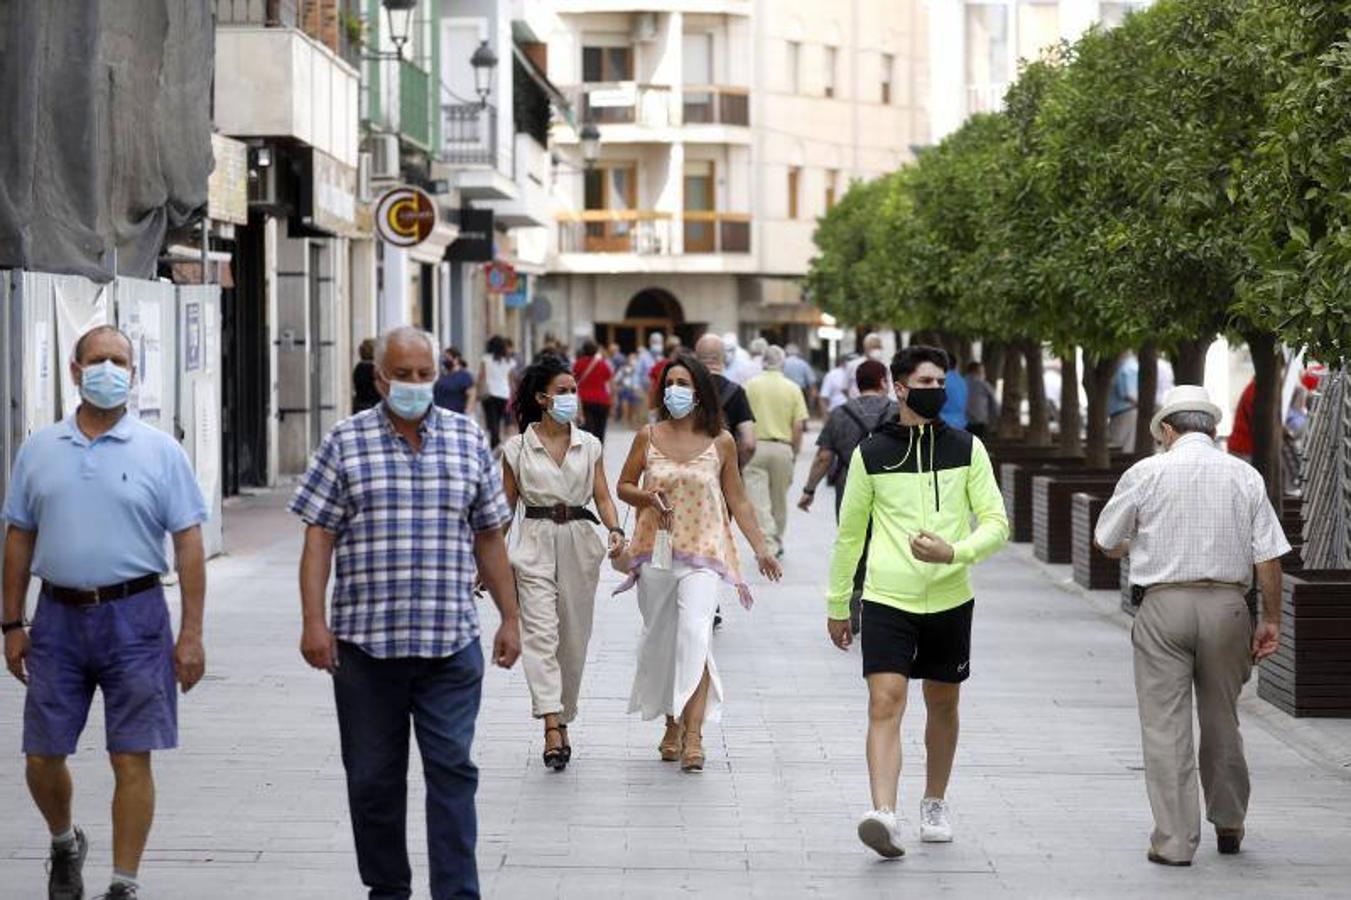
(920, 483)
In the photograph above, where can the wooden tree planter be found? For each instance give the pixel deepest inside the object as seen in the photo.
(1015, 482)
(1310, 675)
(1093, 569)
(1051, 494)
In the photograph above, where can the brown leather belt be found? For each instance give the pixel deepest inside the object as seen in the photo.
(1193, 585)
(105, 594)
(561, 513)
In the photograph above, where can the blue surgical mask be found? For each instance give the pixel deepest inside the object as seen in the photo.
(408, 400)
(105, 385)
(679, 400)
(564, 408)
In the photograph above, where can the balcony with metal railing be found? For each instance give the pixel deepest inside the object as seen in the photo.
(268, 13)
(469, 134)
(625, 103)
(708, 231)
(708, 104)
(415, 119)
(985, 98)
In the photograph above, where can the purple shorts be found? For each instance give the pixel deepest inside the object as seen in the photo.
(125, 648)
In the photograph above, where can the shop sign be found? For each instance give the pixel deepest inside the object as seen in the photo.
(227, 187)
(519, 298)
(405, 216)
(500, 278)
(475, 240)
(335, 195)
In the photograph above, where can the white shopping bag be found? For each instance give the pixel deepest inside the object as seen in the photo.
(661, 550)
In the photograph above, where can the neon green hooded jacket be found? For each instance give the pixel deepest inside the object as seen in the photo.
(904, 480)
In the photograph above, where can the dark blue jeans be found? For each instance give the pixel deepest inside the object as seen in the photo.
(376, 698)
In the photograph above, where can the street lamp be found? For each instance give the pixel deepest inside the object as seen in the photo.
(590, 136)
(399, 36)
(484, 62)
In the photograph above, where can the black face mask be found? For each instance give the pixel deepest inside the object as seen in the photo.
(927, 402)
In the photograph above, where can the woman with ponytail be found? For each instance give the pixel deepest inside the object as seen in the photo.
(555, 469)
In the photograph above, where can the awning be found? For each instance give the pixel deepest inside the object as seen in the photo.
(541, 79)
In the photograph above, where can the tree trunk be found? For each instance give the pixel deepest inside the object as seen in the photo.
(1189, 360)
(1071, 423)
(1011, 404)
(1098, 375)
(992, 357)
(1038, 425)
(1266, 412)
(1145, 396)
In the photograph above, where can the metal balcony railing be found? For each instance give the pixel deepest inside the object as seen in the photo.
(469, 134)
(415, 121)
(716, 232)
(985, 98)
(625, 103)
(643, 232)
(707, 104)
(269, 13)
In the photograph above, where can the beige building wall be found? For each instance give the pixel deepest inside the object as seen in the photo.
(836, 92)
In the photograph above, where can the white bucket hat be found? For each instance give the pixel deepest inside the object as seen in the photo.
(1183, 398)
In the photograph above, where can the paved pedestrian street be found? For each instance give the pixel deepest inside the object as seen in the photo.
(1048, 795)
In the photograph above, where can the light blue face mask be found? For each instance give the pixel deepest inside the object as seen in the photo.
(679, 400)
(564, 408)
(408, 400)
(105, 385)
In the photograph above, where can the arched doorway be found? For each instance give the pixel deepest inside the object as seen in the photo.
(650, 310)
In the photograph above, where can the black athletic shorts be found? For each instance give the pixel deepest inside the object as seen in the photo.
(934, 647)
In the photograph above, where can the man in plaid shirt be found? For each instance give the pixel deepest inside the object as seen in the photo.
(407, 499)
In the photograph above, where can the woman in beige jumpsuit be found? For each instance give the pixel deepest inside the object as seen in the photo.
(555, 469)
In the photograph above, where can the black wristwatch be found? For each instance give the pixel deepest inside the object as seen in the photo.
(7, 627)
(809, 491)
(615, 529)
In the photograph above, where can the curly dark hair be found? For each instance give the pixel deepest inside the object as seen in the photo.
(536, 380)
(708, 409)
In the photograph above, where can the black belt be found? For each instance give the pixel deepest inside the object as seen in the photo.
(105, 594)
(561, 513)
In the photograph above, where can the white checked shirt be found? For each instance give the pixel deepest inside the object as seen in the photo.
(1194, 513)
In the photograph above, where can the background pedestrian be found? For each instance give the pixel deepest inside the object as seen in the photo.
(780, 420)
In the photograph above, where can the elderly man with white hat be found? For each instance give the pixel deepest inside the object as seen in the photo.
(1195, 521)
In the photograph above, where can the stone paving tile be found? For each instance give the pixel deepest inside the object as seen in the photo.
(1048, 797)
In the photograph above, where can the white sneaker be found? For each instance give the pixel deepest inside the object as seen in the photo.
(934, 827)
(878, 829)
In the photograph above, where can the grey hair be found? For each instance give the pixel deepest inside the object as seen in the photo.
(774, 358)
(402, 334)
(77, 353)
(1189, 421)
(758, 346)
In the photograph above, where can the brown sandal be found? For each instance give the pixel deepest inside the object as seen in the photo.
(672, 742)
(692, 760)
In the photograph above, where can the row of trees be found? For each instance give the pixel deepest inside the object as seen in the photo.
(1185, 175)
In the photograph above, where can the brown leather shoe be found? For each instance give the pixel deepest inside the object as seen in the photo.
(672, 741)
(1229, 840)
(1160, 860)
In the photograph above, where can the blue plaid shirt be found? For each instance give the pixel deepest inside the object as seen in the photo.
(405, 524)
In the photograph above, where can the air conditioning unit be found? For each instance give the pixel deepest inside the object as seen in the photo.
(385, 162)
(364, 193)
(645, 27)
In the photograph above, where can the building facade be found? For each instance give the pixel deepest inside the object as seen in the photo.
(727, 127)
(975, 47)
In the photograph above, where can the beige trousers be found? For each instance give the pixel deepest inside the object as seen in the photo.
(1185, 639)
(768, 477)
(557, 568)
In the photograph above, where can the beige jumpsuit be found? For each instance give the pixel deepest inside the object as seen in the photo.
(557, 568)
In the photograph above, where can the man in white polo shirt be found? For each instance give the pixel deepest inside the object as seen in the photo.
(91, 500)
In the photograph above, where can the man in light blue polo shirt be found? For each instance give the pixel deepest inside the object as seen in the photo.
(90, 502)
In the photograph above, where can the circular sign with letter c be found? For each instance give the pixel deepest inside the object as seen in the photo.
(405, 216)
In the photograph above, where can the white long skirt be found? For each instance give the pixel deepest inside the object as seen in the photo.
(677, 606)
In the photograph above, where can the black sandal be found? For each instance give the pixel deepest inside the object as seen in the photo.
(555, 758)
(567, 747)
